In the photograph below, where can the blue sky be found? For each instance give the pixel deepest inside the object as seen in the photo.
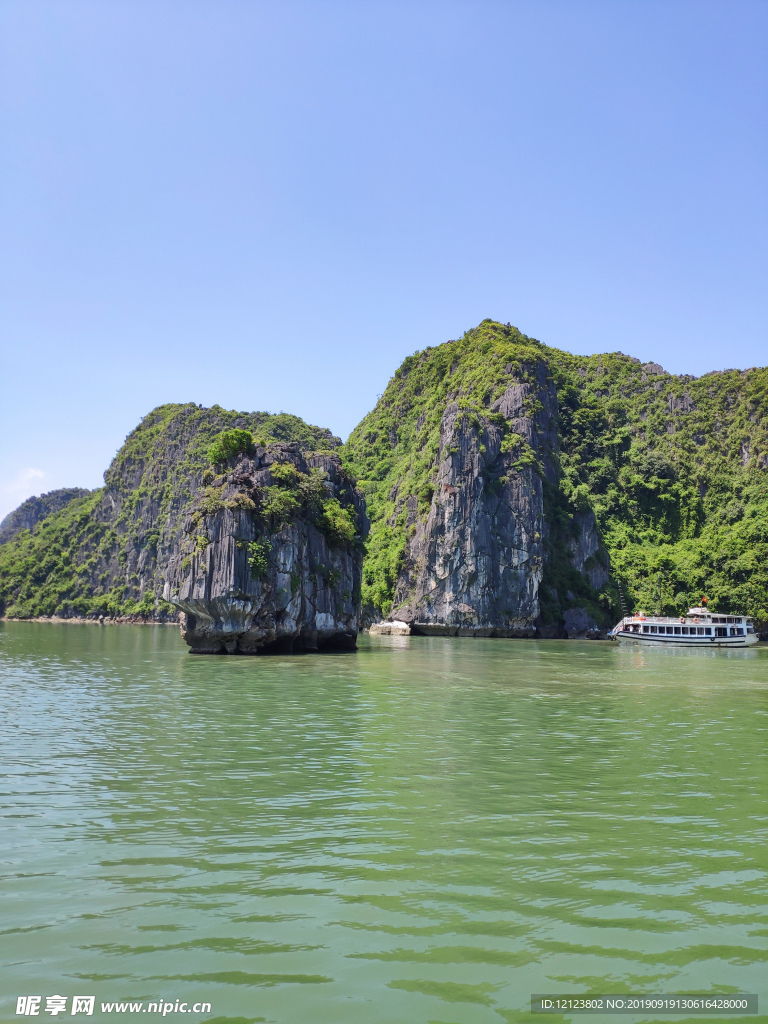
(270, 204)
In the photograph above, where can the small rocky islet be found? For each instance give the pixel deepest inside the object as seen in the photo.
(499, 488)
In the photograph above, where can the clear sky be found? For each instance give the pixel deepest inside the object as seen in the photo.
(268, 205)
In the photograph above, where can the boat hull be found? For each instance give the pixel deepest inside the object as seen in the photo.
(649, 640)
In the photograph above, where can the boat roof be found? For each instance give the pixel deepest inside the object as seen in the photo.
(692, 612)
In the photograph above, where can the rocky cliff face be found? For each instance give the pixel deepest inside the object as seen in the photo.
(460, 466)
(271, 557)
(34, 510)
(473, 566)
(498, 476)
(106, 554)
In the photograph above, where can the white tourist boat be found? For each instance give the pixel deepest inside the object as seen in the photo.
(699, 628)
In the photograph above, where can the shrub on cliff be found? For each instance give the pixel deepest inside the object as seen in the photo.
(337, 522)
(258, 557)
(229, 444)
(295, 493)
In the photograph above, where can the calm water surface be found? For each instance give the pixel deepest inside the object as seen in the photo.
(426, 831)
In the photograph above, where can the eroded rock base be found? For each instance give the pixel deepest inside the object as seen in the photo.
(248, 644)
(264, 571)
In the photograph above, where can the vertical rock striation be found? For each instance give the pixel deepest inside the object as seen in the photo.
(473, 566)
(272, 557)
(106, 553)
(460, 465)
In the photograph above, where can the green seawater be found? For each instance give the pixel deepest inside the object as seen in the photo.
(427, 830)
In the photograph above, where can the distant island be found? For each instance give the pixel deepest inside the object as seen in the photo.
(33, 510)
(499, 488)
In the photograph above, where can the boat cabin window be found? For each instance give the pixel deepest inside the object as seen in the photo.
(677, 629)
(645, 629)
(669, 630)
(653, 629)
(684, 630)
(721, 631)
(700, 630)
(708, 631)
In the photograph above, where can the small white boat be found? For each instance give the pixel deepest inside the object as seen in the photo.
(699, 628)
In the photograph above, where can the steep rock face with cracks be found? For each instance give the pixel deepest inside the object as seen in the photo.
(460, 465)
(652, 488)
(105, 554)
(513, 489)
(473, 565)
(271, 558)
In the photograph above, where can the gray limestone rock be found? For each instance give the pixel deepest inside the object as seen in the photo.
(302, 591)
(655, 368)
(476, 560)
(474, 565)
(587, 551)
(395, 628)
(579, 624)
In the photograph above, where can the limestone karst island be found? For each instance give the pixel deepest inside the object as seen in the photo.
(500, 488)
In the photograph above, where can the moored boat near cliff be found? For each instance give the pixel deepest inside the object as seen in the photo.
(699, 628)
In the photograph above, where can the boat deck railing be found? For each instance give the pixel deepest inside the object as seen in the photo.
(687, 620)
(668, 620)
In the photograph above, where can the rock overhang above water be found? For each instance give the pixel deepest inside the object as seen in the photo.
(272, 560)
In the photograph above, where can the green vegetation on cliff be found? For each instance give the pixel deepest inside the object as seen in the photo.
(674, 469)
(48, 571)
(292, 494)
(99, 555)
(392, 451)
(34, 510)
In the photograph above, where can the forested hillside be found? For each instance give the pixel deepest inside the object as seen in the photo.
(674, 470)
(511, 487)
(100, 554)
(34, 510)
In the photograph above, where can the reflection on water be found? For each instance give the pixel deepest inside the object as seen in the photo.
(428, 830)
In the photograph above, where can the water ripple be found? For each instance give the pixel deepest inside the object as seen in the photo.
(428, 830)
